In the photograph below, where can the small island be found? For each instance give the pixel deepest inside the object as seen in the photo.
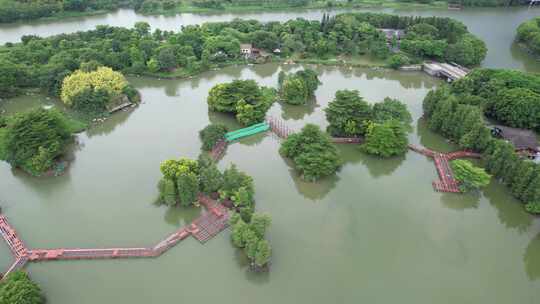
(528, 35)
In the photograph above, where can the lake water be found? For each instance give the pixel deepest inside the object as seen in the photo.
(374, 233)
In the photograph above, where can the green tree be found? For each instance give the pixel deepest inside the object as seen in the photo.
(391, 109)
(18, 288)
(35, 138)
(211, 179)
(386, 139)
(398, 60)
(469, 176)
(312, 152)
(188, 188)
(348, 108)
(263, 254)
(259, 223)
(238, 231)
(167, 191)
(211, 134)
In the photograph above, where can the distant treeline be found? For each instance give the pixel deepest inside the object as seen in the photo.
(44, 62)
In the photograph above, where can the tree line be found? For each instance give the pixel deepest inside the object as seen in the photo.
(44, 62)
(456, 111)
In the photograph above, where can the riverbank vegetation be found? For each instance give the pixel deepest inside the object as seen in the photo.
(36, 140)
(298, 88)
(528, 34)
(469, 176)
(456, 111)
(243, 98)
(386, 139)
(312, 152)
(45, 62)
(18, 288)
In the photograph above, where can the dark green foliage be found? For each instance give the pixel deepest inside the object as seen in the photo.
(469, 176)
(510, 96)
(44, 62)
(237, 186)
(242, 97)
(211, 134)
(34, 139)
(249, 235)
(348, 114)
(188, 188)
(211, 179)
(468, 51)
(18, 288)
(167, 191)
(91, 101)
(386, 139)
(297, 88)
(313, 153)
(528, 33)
(391, 109)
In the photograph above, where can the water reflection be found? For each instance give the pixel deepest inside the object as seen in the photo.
(378, 167)
(461, 201)
(314, 191)
(179, 216)
(531, 258)
(509, 210)
(109, 125)
(298, 112)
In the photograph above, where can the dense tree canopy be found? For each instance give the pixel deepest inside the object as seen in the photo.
(312, 152)
(297, 88)
(180, 182)
(18, 288)
(93, 91)
(348, 114)
(528, 33)
(456, 112)
(34, 139)
(244, 98)
(250, 237)
(386, 139)
(44, 62)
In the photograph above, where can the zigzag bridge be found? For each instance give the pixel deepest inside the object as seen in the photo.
(211, 222)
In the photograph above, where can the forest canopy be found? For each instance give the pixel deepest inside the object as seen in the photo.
(44, 62)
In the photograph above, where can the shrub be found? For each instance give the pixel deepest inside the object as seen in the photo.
(398, 60)
(469, 176)
(348, 114)
(312, 152)
(211, 134)
(386, 139)
(34, 139)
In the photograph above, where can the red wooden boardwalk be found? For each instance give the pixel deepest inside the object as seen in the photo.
(203, 228)
(219, 148)
(446, 182)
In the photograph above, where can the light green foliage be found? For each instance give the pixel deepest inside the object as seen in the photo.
(211, 134)
(263, 253)
(180, 182)
(348, 114)
(17, 288)
(312, 152)
(469, 176)
(386, 139)
(238, 231)
(35, 138)
(102, 86)
(250, 240)
(468, 51)
(259, 223)
(533, 208)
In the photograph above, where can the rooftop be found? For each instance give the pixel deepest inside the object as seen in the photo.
(520, 138)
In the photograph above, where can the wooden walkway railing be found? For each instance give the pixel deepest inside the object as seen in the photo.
(446, 182)
(203, 228)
